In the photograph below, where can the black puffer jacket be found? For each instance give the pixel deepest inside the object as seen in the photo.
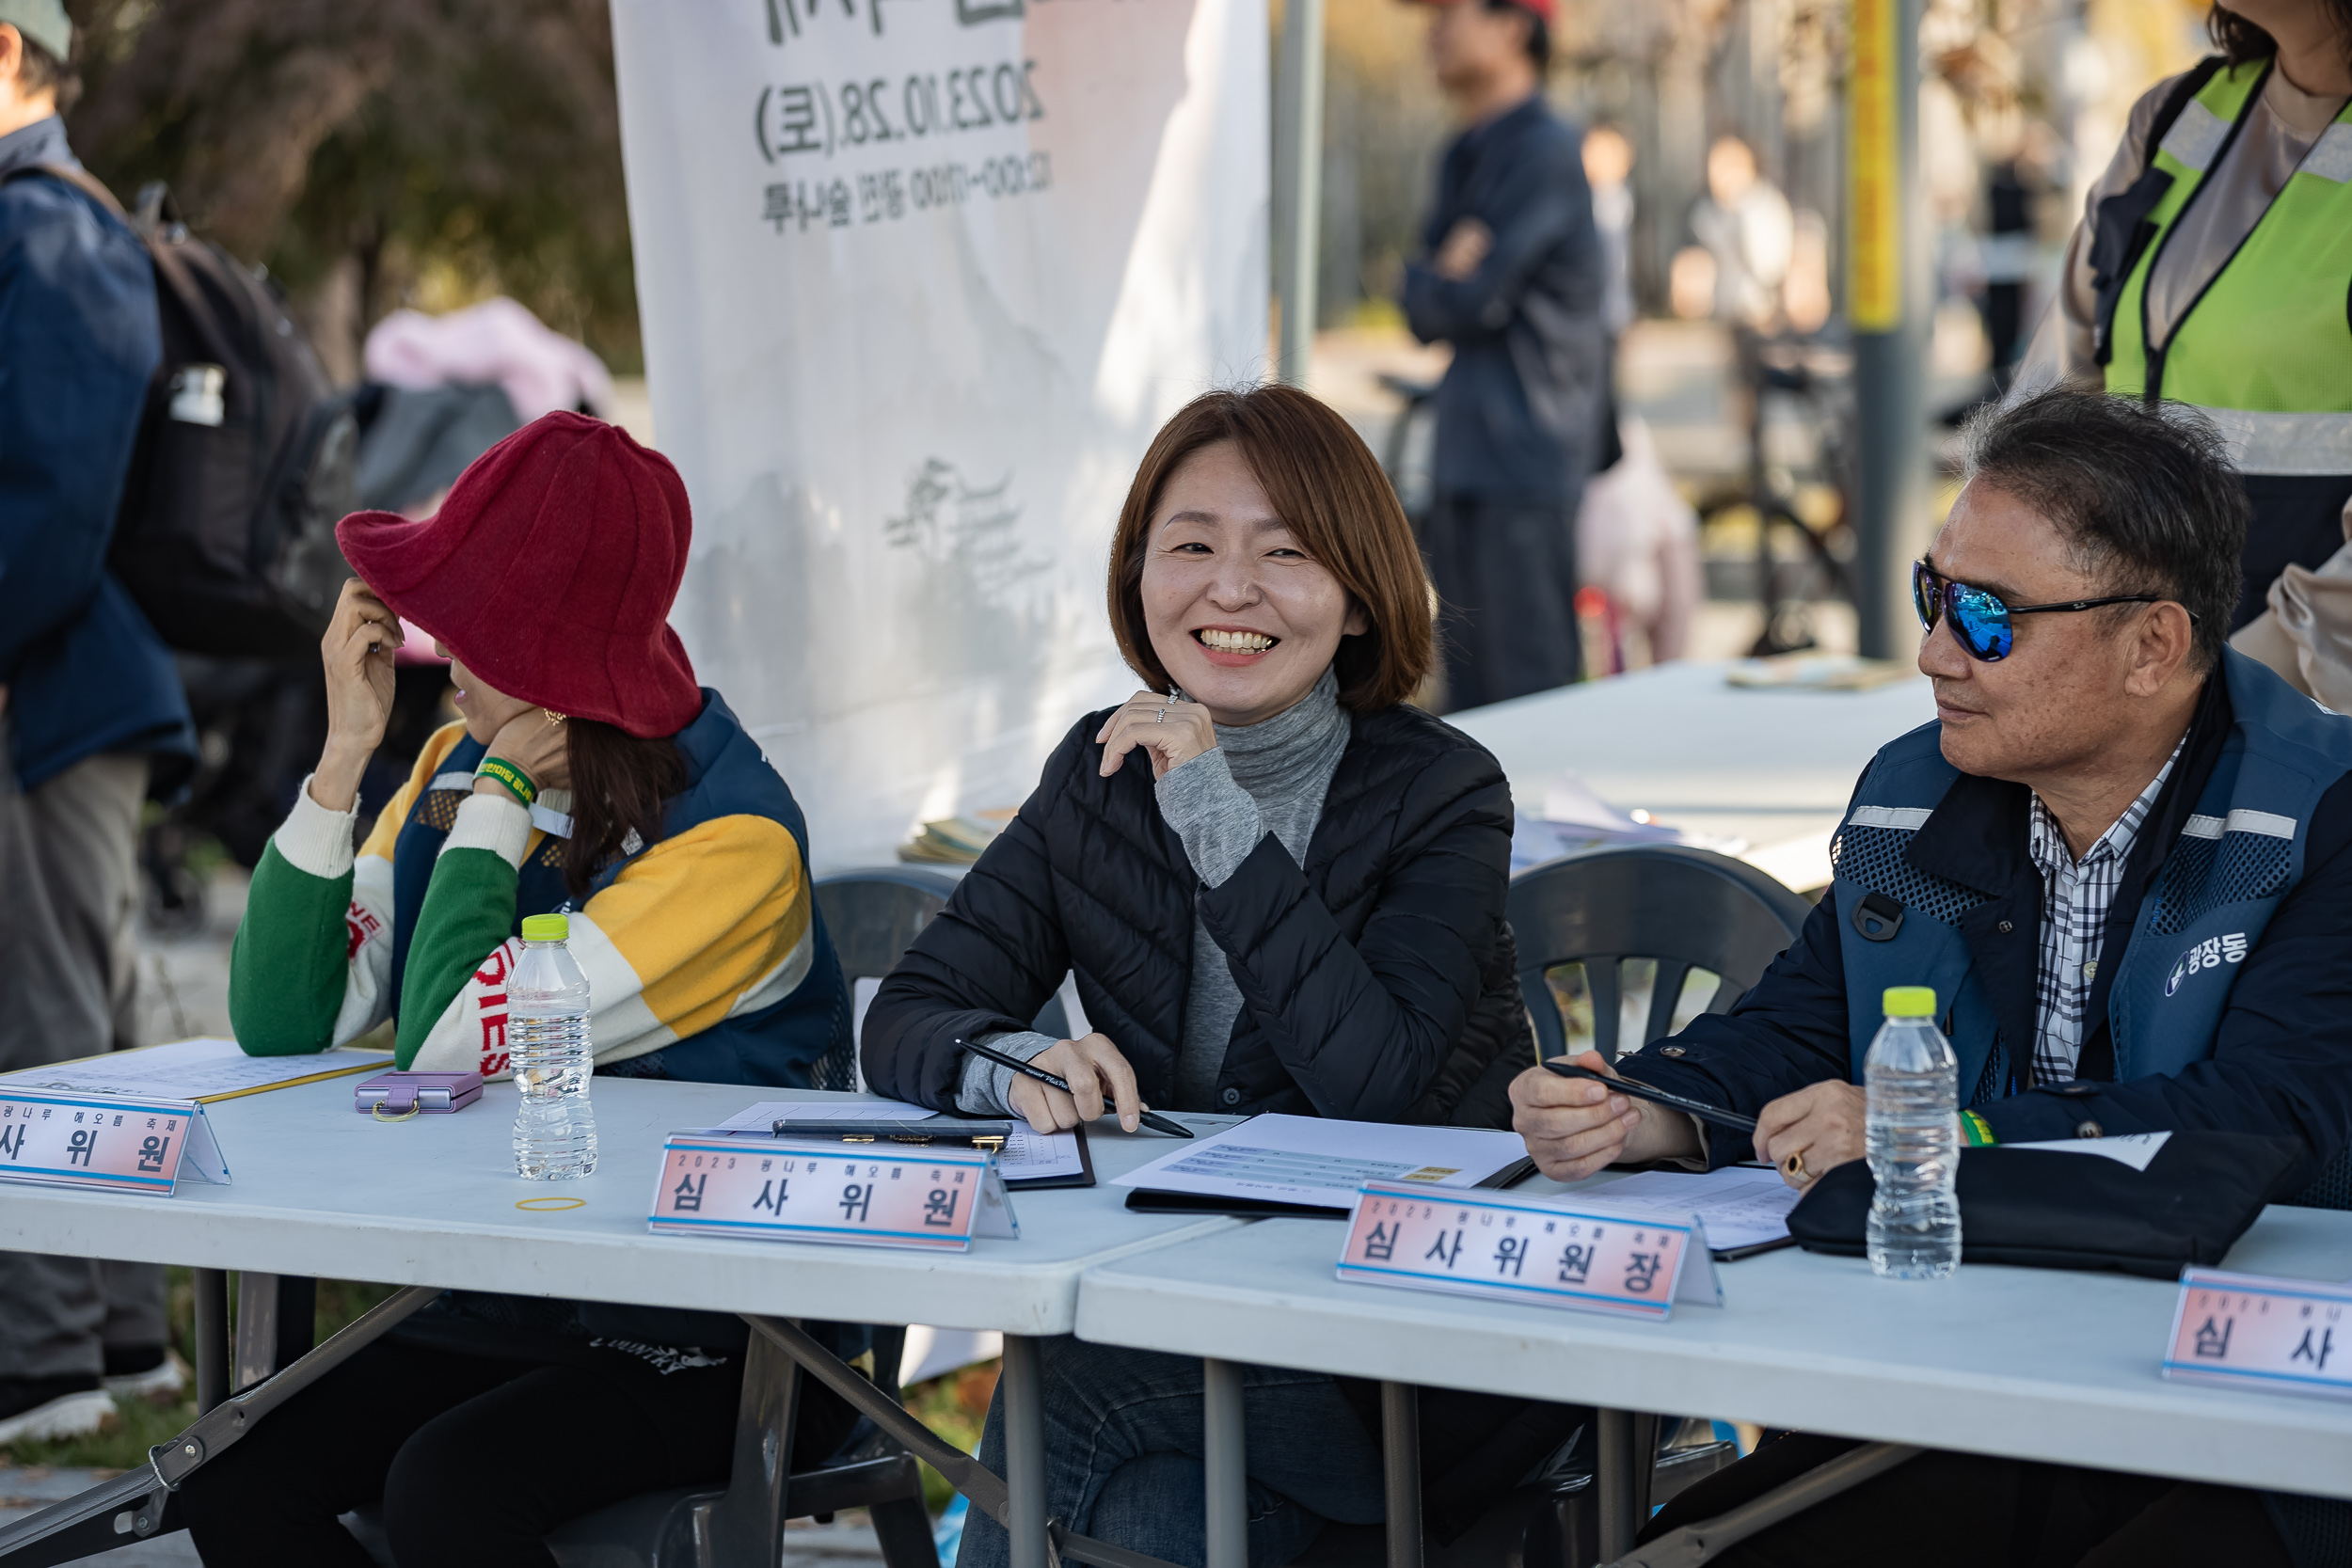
(1377, 986)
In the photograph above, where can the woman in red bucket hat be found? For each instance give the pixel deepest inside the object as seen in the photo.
(590, 774)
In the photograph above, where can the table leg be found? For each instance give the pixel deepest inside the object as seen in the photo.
(1613, 1482)
(1024, 1451)
(1225, 1458)
(212, 1337)
(1400, 1470)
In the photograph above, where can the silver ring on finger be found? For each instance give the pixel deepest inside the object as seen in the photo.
(1160, 717)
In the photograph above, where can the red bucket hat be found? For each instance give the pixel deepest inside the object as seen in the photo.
(549, 572)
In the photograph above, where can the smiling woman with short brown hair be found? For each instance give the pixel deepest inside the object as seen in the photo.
(1324, 485)
(1280, 887)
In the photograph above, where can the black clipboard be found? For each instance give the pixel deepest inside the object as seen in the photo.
(1041, 1183)
(1145, 1200)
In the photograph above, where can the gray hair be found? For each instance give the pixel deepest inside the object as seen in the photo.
(2144, 495)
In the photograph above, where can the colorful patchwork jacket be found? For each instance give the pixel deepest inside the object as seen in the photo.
(705, 946)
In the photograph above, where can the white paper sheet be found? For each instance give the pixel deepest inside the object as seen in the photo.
(1314, 1160)
(193, 1070)
(2131, 1148)
(1741, 1207)
(1033, 1156)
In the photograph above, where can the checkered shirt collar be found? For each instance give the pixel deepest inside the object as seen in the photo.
(2075, 898)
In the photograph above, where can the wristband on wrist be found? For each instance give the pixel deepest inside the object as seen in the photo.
(516, 783)
(1975, 1130)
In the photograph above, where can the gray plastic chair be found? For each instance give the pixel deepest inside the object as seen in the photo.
(690, 1527)
(1685, 908)
(700, 1528)
(872, 914)
(1681, 908)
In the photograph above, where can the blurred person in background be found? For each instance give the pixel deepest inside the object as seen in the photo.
(1637, 540)
(90, 712)
(2209, 268)
(1746, 225)
(1512, 280)
(1608, 159)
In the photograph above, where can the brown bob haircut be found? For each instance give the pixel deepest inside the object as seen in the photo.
(1329, 491)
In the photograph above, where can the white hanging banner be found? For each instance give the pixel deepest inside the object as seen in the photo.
(919, 279)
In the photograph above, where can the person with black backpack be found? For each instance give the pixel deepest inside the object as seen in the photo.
(91, 713)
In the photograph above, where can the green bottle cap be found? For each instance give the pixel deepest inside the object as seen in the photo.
(554, 928)
(1900, 1001)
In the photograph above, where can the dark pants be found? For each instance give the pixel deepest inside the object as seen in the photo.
(1123, 1456)
(68, 887)
(1505, 574)
(474, 1459)
(1973, 1511)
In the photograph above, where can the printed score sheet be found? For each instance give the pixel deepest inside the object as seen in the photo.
(1313, 1160)
(198, 1069)
(1740, 1207)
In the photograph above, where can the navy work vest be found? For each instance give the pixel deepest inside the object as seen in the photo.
(726, 776)
(2235, 859)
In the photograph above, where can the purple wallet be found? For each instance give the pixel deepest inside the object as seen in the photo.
(395, 1096)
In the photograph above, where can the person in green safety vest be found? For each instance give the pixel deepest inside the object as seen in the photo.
(2211, 267)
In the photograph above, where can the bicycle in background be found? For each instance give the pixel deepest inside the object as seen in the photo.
(1817, 379)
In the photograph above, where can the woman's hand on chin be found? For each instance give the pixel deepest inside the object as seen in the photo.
(1168, 730)
(1096, 1072)
(533, 740)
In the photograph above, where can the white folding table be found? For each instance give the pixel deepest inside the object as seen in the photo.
(2029, 1363)
(1774, 767)
(432, 1201)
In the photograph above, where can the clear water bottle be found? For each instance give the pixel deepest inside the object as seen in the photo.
(547, 1042)
(1913, 1140)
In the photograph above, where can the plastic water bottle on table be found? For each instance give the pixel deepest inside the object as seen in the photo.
(1912, 1138)
(546, 1042)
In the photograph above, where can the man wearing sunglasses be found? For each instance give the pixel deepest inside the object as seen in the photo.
(2123, 857)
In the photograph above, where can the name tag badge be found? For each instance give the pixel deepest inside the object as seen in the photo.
(105, 1144)
(784, 1191)
(1582, 1256)
(2248, 1331)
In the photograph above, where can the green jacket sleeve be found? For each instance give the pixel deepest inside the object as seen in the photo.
(468, 910)
(287, 967)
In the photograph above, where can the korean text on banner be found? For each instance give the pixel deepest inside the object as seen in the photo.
(806, 1192)
(1591, 1258)
(2249, 1331)
(918, 280)
(105, 1144)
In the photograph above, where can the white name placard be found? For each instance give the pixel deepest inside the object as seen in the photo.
(787, 1190)
(106, 1142)
(1584, 1256)
(2249, 1331)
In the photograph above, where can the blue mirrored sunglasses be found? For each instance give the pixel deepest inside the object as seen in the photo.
(1981, 619)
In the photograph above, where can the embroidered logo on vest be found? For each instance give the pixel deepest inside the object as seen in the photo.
(2209, 954)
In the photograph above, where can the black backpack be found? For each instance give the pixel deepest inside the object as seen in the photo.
(247, 457)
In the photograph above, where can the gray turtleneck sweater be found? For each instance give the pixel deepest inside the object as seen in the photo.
(1269, 777)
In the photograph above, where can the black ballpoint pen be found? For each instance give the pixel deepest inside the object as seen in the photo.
(1152, 1119)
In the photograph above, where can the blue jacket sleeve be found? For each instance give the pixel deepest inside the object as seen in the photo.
(79, 340)
(1542, 201)
(1788, 1031)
